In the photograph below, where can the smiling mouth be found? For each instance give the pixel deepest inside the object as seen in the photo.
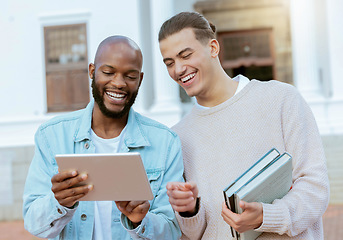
(116, 96)
(187, 78)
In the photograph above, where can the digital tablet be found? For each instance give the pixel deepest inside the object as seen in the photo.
(115, 177)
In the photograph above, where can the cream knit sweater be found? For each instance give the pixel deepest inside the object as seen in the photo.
(220, 143)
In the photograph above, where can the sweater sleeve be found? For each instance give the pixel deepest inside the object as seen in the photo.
(306, 202)
(192, 227)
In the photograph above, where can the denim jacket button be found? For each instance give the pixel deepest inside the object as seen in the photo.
(83, 217)
(143, 229)
(59, 211)
(86, 145)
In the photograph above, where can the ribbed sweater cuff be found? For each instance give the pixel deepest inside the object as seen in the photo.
(273, 219)
(192, 222)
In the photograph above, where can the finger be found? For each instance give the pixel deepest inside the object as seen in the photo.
(68, 183)
(253, 206)
(70, 201)
(177, 194)
(172, 185)
(229, 220)
(228, 212)
(182, 201)
(61, 176)
(243, 205)
(185, 208)
(71, 192)
(240, 222)
(226, 218)
(190, 185)
(142, 208)
(146, 206)
(121, 205)
(177, 186)
(132, 205)
(70, 196)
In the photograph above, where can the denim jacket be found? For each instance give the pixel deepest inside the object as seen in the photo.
(160, 150)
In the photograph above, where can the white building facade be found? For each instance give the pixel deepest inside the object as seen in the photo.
(317, 48)
(317, 45)
(23, 85)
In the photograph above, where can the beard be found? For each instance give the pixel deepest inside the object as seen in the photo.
(98, 98)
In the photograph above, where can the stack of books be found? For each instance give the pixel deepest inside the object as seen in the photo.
(268, 179)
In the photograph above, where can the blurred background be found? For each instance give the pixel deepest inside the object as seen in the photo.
(46, 46)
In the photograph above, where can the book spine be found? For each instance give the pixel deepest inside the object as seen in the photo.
(228, 205)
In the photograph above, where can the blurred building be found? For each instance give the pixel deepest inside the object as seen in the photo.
(46, 47)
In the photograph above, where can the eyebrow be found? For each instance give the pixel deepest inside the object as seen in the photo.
(184, 50)
(105, 65)
(133, 71)
(129, 71)
(179, 54)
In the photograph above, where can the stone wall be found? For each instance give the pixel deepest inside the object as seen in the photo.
(333, 146)
(17, 160)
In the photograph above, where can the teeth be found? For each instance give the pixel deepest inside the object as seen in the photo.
(115, 95)
(185, 79)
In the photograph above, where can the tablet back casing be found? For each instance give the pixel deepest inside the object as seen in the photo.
(115, 177)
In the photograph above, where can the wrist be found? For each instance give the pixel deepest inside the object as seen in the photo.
(135, 225)
(73, 206)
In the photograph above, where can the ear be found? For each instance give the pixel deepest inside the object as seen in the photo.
(214, 44)
(91, 70)
(141, 78)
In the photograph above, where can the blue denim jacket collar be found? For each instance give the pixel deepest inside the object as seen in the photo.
(134, 136)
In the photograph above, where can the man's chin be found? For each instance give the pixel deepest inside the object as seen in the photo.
(112, 113)
(190, 94)
(114, 110)
(115, 114)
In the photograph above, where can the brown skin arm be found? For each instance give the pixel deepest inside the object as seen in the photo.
(63, 186)
(134, 210)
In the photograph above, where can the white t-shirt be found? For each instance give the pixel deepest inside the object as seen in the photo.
(103, 209)
(242, 82)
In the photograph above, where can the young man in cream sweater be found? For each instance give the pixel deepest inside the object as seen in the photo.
(234, 123)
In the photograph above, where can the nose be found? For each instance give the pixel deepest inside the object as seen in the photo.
(180, 68)
(118, 81)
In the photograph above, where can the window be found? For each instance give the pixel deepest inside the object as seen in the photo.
(66, 64)
(250, 53)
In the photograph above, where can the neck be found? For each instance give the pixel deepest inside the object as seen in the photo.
(222, 88)
(106, 127)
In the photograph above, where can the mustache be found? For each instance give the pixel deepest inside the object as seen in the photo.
(98, 98)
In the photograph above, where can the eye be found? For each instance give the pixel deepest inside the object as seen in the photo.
(169, 64)
(132, 77)
(107, 73)
(186, 56)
